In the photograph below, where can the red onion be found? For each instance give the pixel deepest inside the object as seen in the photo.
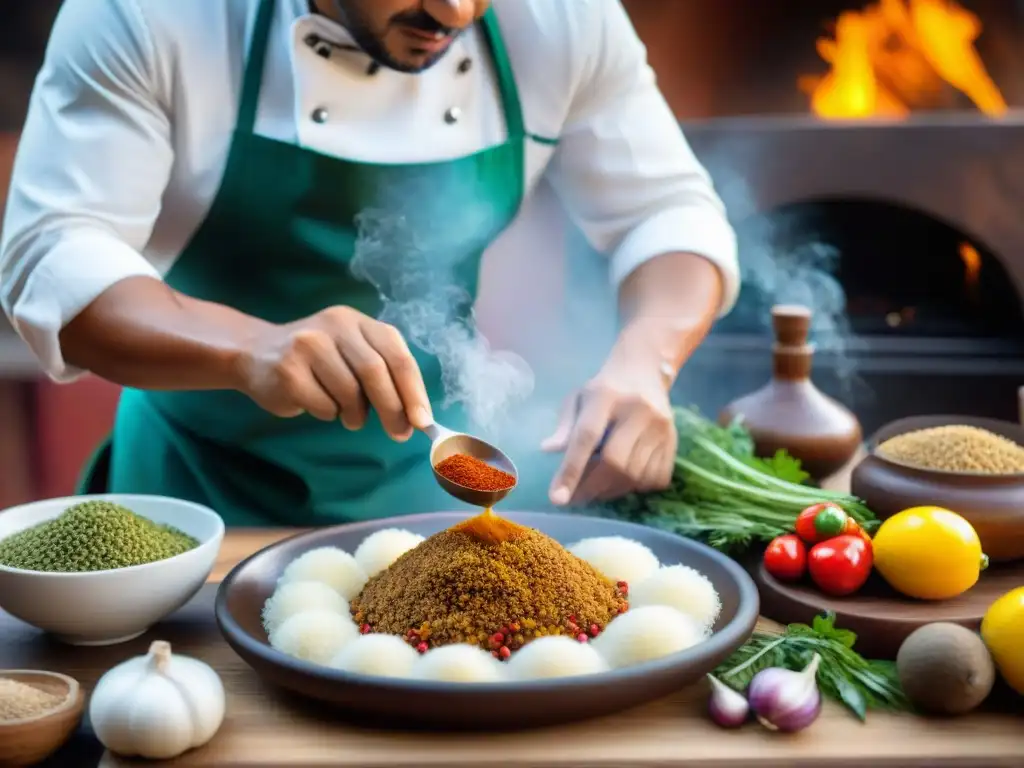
(783, 700)
(727, 707)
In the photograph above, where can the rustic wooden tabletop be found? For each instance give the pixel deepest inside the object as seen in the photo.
(265, 728)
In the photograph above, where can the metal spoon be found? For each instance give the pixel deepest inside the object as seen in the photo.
(447, 443)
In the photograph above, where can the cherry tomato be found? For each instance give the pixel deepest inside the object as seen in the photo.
(839, 566)
(854, 528)
(786, 558)
(820, 522)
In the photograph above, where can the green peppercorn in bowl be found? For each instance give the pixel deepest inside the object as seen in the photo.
(99, 570)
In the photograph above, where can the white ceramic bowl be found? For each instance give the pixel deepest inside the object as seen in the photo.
(107, 607)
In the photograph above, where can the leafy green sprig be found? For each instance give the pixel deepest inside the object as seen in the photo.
(844, 675)
(723, 494)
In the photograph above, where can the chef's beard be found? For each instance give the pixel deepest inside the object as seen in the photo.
(372, 43)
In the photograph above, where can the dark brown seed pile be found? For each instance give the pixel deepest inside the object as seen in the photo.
(491, 583)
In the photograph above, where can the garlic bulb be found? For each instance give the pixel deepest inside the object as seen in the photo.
(157, 706)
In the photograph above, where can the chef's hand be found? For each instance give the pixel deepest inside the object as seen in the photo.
(337, 364)
(638, 453)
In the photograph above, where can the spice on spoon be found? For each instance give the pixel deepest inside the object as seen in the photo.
(19, 701)
(471, 472)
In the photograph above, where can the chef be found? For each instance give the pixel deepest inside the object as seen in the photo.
(188, 197)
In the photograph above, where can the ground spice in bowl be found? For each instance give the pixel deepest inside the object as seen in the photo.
(471, 472)
(488, 582)
(955, 448)
(93, 536)
(19, 701)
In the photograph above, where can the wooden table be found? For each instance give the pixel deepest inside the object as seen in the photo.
(264, 728)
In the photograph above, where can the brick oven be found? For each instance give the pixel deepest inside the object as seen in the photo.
(872, 156)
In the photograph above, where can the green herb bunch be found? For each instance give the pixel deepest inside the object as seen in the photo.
(723, 494)
(844, 675)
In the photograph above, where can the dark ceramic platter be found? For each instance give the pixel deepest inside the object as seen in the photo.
(882, 618)
(404, 702)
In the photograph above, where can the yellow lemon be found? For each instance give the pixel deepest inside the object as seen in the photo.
(1002, 629)
(929, 553)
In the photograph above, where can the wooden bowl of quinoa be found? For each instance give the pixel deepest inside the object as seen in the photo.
(38, 713)
(973, 466)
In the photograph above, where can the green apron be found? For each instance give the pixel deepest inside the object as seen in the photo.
(278, 243)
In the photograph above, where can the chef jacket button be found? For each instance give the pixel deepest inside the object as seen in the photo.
(465, 65)
(453, 115)
(319, 115)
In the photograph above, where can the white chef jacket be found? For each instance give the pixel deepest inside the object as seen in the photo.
(131, 117)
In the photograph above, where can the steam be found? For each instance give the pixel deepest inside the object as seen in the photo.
(785, 262)
(416, 262)
(420, 264)
(800, 274)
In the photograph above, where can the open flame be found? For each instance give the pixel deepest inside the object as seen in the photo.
(896, 56)
(972, 267)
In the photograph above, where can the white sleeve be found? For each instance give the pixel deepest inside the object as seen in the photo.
(92, 165)
(623, 168)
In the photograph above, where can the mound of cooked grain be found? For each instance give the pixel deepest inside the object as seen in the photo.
(491, 583)
(955, 448)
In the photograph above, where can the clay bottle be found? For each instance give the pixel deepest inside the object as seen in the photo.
(789, 411)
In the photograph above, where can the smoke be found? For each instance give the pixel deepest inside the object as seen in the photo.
(785, 258)
(421, 263)
(423, 268)
(804, 274)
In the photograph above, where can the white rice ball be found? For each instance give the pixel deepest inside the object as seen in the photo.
(645, 634)
(617, 558)
(379, 550)
(297, 597)
(334, 567)
(377, 654)
(555, 656)
(314, 636)
(458, 663)
(683, 588)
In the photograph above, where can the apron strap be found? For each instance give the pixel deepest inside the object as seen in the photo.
(514, 122)
(255, 61)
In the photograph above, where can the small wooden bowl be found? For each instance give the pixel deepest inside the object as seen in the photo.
(31, 740)
(993, 504)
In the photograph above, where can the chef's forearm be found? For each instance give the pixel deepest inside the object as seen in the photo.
(667, 306)
(141, 333)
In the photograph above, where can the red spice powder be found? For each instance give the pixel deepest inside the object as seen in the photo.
(471, 472)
